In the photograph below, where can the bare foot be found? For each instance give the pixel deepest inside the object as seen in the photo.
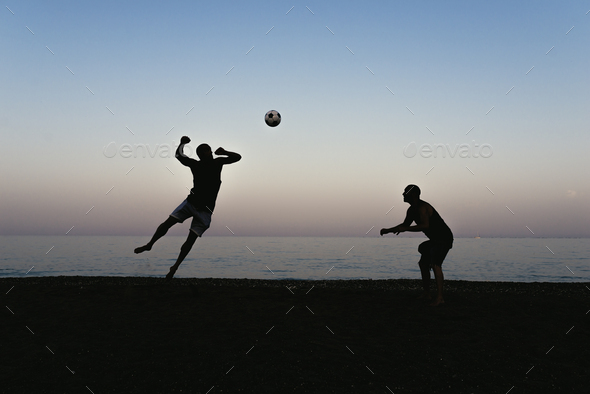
(170, 274)
(142, 249)
(438, 301)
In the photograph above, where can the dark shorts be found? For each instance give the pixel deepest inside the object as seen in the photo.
(433, 253)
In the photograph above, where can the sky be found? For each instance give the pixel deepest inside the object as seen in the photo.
(484, 105)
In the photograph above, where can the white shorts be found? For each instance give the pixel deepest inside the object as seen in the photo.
(201, 219)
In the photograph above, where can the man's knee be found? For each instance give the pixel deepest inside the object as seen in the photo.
(424, 248)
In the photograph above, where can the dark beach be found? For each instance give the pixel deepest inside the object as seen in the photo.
(140, 335)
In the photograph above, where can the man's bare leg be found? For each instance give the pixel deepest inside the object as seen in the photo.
(184, 249)
(438, 274)
(425, 271)
(160, 232)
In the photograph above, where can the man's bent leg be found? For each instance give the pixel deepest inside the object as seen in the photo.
(424, 264)
(160, 232)
(184, 249)
(438, 274)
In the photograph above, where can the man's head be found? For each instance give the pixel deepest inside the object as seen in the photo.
(204, 152)
(411, 193)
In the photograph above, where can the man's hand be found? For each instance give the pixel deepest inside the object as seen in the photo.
(220, 151)
(398, 229)
(185, 140)
(384, 231)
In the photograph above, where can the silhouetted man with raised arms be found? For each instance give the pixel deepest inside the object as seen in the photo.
(440, 237)
(200, 203)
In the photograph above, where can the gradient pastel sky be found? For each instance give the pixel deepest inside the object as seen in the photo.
(361, 87)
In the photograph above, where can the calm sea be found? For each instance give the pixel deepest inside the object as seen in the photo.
(485, 259)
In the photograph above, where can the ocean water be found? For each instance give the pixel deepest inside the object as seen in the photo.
(485, 259)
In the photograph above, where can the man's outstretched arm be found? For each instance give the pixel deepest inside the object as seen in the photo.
(398, 229)
(179, 152)
(232, 157)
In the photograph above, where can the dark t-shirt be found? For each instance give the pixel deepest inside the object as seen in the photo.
(438, 230)
(206, 182)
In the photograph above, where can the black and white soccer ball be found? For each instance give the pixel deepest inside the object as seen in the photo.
(272, 118)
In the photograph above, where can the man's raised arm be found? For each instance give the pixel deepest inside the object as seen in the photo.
(179, 151)
(231, 156)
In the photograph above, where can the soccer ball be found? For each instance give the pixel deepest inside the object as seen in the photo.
(272, 118)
